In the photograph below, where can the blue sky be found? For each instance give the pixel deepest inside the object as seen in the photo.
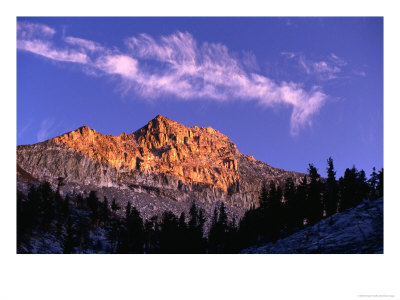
(290, 91)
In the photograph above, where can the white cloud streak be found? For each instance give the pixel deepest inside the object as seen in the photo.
(123, 65)
(84, 44)
(27, 30)
(288, 54)
(46, 49)
(176, 65)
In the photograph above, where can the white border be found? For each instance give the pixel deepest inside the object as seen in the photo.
(186, 276)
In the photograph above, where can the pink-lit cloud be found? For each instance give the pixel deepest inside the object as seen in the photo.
(46, 49)
(83, 44)
(28, 30)
(122, 65)
(324, 69)
(328, 68)
(178, 66)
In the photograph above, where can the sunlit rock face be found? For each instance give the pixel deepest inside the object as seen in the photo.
(164, 158)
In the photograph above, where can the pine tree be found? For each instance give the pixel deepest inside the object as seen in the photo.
(232, 245)
(83, 233)
(362, 187)
(105, 213)
(201, 221)
(213, 235)
(21, 225)
(184, 238)
(380, 183)
(114, 230)
(66, 206)
(274, 213)
(169, 233)
(223, 217)
(214, 220)
(182, 221)
(348, 189)
(314, 204)
(58, 201)
(263, 197)
(151, 230)
(331, 190)
(128, 210)
(135, 232)
(218, 231)
(301, 201)
(195, 230)
(114, 206)
(93, 205)
(47, 204)
(80, 203)
(249, 227)
(289, 206)
(31, 208)
(373, 183)
(70, 240)
(193, 221)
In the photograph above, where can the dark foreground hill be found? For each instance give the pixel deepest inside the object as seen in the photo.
(356, 230)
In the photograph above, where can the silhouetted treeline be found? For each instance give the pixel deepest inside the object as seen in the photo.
(84, 224)
(285, 211)
(87, 224)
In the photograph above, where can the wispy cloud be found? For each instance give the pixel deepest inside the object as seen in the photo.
(84, 44)
(337, 60)
(46, 49)
(288, 54)
(360, 73)
(249, 60)
(46, 128)
(38, 39)
(28, 30)
(327, 68)
(177, 65)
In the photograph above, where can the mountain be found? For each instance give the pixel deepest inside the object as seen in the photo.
(163, 165)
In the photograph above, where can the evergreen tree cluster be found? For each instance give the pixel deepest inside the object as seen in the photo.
(222, 235)
(284, 211)
(73, 220)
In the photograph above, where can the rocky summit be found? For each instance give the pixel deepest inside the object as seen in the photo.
(163, 165)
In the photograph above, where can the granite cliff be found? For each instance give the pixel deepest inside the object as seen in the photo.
(164, 162)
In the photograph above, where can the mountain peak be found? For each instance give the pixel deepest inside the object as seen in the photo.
(84, 129)
(160, 118)
(170, 159)
(162, 132)
(160, 122)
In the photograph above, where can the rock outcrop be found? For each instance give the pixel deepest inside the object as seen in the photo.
(356, 230)
(163, 159)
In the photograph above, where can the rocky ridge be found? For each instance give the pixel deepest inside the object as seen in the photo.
(163, 159)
